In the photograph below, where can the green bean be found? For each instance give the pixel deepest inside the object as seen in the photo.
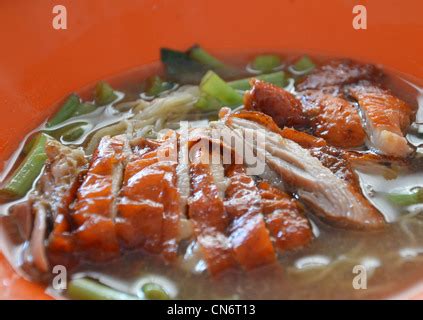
(104, 93)
(414, 196)
(276, 78)
(66, 111)
(305, 64)
(266, 62)
(199, 54)
(216, 87)
(24, 176)
(154, 291)
(87, 289)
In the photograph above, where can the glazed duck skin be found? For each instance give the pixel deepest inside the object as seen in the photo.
(95, 207)
(334, 119)
(206, 210)
(330, 117)
(248, 233)
(289, 228)
(387, 119)
(149, 203)
(282, 106)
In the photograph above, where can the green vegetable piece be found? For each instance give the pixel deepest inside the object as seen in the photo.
(154, 291)
(73, 133)
(29, 144)
(155, 86)
(414, 196)
(24, 176)
(208, 103)
(199, 54)
(104, 93)
(266, 63)
(304, 65)
(66, 111)
(276, 78)
(87, 289)
(180, 67)
(84, 108)
(216, 87)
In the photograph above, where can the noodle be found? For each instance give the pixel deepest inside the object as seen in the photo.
(149, 117)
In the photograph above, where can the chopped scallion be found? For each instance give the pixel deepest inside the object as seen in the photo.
(104, 93)
(199, 54)
(304, 65)
(153, 291)
(276, 78)
(414, 196)
(24, 176)
(214, 86)
(66, 111)
(155, 86)
(266, 63)
(87, 289)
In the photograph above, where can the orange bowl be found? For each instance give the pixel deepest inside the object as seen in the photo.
(40, 65)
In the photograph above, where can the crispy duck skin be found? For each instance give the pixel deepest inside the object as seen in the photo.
(338, 73)
(149, 203)
(207, 212)
(249, 236)
(332, 198)
(334, 119)
(330, 117)
(387, 118)
(94, 208)
(288, 227)
(282, 106)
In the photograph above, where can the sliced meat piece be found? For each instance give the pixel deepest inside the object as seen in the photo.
(55, 191)
(343, 163)
(21, 216)
(207, 212)
(244, 153)
(332, 198)
(95, 209)
(334, 119)
(282, 106)
(330, 117)
(149, 206)
(337, 73)
(387, 118)
(336, 160)
(249, 236)
(288, 227)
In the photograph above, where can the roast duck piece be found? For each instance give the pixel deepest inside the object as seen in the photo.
(153, 195)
